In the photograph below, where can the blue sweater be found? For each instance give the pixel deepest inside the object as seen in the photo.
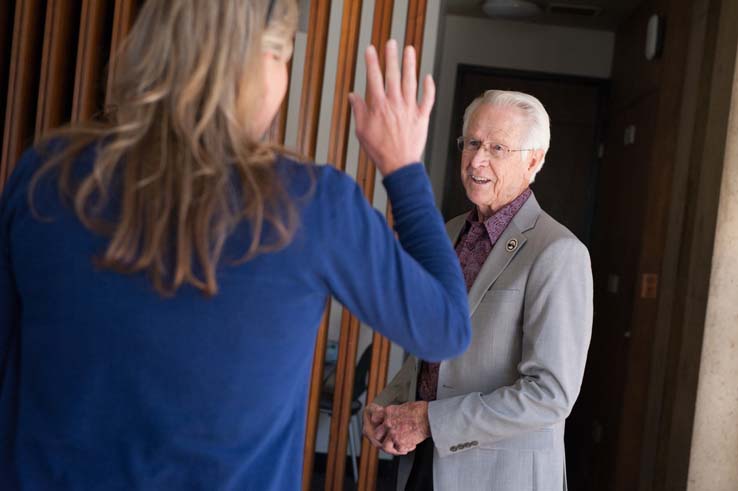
(105, 385)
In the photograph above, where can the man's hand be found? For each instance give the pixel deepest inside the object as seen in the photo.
(404, 427)
(392, 128)
(373, 418)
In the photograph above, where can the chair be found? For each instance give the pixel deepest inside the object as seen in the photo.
(360, 385)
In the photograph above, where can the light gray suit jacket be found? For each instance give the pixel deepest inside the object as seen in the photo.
(498, 422)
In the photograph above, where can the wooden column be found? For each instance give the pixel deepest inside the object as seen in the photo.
(92, 55)
(7, 15)
(23, 77)
(348, 339)
(381, 345)
(123, 18)
(307, 135)
(57, 64)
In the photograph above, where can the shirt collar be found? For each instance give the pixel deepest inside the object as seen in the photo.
(499, 221)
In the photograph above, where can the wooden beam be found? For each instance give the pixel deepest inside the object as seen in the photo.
(312, 85)
(345, 74)
(56, 84)
(307, 134)
(7, 16)
(414, 30)
(92, 54)
(123, 18)
(348, 338)
(381, 30)
(23, 76)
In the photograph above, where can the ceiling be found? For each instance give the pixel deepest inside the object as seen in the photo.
(612, 12)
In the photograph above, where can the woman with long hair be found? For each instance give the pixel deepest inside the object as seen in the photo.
(163, 272)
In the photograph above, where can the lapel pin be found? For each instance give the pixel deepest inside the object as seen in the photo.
(512, 244)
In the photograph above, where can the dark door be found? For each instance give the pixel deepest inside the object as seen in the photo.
(565, 187)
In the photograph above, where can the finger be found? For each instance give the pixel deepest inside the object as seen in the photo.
(392, 71)
(380, 432)
(377, 417)
(406, 449)
(429, 96)
(374, 82)
(372, 439)
(409, 78)
(389, 447)
(358, 106)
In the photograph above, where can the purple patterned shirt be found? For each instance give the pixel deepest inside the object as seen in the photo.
(473, 248)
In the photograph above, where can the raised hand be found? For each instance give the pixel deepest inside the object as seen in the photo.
(391, 126)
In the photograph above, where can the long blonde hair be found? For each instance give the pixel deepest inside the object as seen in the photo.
(178, 137)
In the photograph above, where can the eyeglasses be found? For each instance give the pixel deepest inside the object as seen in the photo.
(498, 151)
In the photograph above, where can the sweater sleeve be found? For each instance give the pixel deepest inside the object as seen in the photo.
(410, 290)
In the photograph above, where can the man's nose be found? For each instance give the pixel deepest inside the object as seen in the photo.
(480, 158)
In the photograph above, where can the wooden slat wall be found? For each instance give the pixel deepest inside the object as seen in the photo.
(7, 16)
(348, 338)
(57, 64)
(366, 174)
(125, 14)
(307, 137)
(23, 78)
(381, 345)
(92, 56)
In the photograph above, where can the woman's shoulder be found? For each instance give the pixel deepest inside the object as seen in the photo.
(322, 181)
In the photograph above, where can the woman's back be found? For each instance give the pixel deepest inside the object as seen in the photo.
(108, 385)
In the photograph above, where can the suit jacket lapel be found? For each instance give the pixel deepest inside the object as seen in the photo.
(505, 249)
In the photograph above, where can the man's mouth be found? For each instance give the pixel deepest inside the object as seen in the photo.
(479, 179)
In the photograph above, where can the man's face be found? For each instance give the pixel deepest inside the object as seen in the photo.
(492, 178)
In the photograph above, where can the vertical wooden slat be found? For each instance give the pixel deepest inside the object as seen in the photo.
(345, 74)
(125, 14)
(381, 29)
(307, 136)
(92, 55)
(312, 85)
(7, 15)
(57, 64)
(22, 82)
(348, 339)
(381, 345)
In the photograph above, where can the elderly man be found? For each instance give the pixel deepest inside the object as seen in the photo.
(493, 418)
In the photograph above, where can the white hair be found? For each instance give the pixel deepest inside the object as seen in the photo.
(538, 135)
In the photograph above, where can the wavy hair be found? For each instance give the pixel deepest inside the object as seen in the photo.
(177, 149)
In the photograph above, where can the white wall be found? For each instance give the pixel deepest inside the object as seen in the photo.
(510, 45)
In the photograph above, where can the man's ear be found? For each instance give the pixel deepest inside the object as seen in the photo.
(534, 160)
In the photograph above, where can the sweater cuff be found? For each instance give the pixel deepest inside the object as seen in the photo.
(406, 184)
